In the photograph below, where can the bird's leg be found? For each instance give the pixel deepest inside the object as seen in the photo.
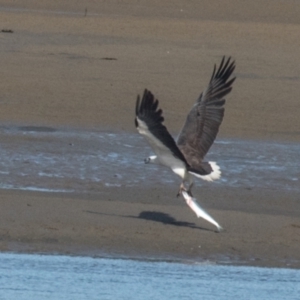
(189, 191)
(183, 188)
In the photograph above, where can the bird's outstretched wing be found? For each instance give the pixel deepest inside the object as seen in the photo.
(148, 122)
(203, 121)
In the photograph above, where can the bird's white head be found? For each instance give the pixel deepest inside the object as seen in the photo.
(151, 160)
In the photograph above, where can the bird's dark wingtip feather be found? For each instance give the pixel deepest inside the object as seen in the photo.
(213, 74)
(220, 67)
(148, 106)
(224, 70)
(137, 105)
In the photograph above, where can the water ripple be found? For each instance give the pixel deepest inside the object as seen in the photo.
(64, 160)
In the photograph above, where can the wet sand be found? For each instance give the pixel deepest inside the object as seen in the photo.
(260, 228)
(61, 68)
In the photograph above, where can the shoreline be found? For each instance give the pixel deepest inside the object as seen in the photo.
(220, 260)
(91, 225)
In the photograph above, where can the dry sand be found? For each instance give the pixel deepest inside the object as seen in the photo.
(69, 64)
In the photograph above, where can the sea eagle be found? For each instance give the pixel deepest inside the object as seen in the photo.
(185, 156)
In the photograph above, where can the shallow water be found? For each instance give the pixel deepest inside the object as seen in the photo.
(46, 159)
(27, 276)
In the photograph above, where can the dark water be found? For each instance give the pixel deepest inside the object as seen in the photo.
(47, 159)
(39, 277)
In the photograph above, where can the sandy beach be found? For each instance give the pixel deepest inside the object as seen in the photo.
(67, 64)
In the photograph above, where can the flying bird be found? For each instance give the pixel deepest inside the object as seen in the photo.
(186, 155)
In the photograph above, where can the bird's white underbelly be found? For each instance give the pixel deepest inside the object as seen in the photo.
(177, 166)
(180, 171)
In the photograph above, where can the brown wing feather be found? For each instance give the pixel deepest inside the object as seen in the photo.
(204, 119)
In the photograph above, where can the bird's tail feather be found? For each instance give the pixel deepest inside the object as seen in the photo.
(210, 171)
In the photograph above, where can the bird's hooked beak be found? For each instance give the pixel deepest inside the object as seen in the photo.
(151, 159)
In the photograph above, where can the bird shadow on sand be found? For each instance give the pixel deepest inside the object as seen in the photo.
(166, 219)
(155, 216)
